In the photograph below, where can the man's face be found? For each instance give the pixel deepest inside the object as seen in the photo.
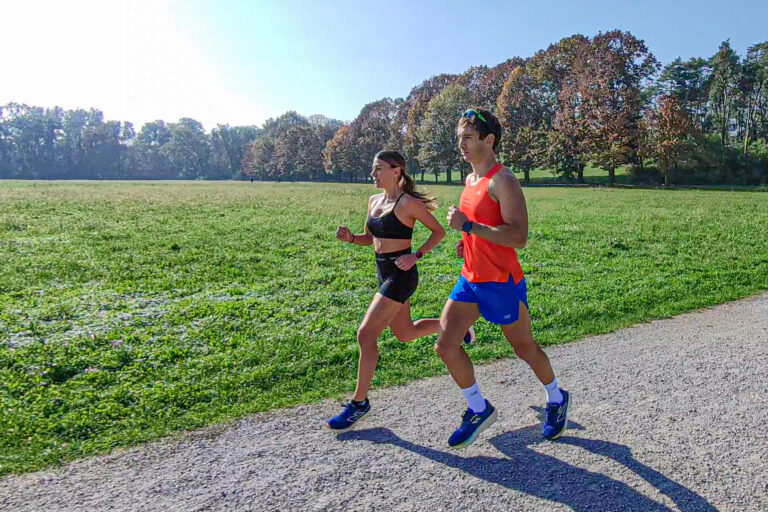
(470, 145)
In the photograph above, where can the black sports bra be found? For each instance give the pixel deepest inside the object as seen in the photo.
(389, 226)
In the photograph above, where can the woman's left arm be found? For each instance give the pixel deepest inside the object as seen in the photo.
(418, 210)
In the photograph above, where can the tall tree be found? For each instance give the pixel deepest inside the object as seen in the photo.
(228, 146)
(6, 147)
(188, 148)
(753, 89)
(725, 73)
(670, 127)
(146, 155)
(437, 132)
(372, 129)
(103, 148)
(484, 83)
(521, 113)
(610, 78)
(259, 161)
(309, 154)
(281, 124)
(418, 101)
(565, 148)
(688, 82)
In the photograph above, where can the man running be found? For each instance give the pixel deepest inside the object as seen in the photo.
(493, 221)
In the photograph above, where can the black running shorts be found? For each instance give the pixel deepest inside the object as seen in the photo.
(394, 283)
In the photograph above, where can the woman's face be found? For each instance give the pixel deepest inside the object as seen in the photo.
(384, 175)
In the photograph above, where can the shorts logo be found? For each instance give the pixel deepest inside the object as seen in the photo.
(507, 316)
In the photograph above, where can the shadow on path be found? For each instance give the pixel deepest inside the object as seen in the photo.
(543, 476)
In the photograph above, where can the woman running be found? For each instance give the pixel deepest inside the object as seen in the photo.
(389, 226)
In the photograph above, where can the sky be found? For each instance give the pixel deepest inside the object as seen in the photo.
(242, 62)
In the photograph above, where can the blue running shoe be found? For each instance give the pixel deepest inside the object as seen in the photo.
(470, 336)
(348, 416)
(471, 425)
(556, 420)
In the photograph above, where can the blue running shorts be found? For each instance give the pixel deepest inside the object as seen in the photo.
(499, 303)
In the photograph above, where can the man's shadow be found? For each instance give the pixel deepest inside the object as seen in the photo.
(547, 477)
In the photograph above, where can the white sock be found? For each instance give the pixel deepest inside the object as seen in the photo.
(554, 396)
(474, 397)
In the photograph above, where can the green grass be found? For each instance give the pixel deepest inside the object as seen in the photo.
(132, 310)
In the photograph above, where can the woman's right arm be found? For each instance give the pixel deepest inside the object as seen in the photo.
(365, 238)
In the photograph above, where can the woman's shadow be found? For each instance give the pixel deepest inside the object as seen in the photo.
(540, 475)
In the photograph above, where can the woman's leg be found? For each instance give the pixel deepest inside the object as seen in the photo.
(406, 329)
(380, 313)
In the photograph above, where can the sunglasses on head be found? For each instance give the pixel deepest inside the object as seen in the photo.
(472, 112)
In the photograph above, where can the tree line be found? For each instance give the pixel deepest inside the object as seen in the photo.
(604, 101)
(52, 143)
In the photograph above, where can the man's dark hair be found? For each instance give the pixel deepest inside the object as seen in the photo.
(489, 124)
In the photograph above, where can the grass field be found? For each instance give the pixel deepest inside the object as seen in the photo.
(132, 310)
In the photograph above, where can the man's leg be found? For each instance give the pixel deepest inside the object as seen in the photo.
(455, 321)
(519, 335)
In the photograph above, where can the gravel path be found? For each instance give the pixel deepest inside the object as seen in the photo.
(667, 416)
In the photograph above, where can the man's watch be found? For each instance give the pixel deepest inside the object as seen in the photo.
(419, 255)
(467, 226)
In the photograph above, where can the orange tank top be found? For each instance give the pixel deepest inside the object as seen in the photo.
(486, 261)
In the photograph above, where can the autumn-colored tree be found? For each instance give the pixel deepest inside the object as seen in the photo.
(484, 84)
(340, 154)
(437, 132)
(353, 146)
(371, 131)
(259, 161)
(609, 78)
(521, 112)
(271, 155)
(670, 127)
(566, 147)
(418, 101)
(308, 162)
(334, 153)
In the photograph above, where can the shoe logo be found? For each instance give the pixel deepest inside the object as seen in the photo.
(476, 419)
(561, 414)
